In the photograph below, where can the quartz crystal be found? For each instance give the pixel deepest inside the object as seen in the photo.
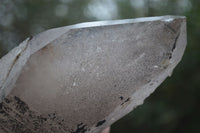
(84, 77)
